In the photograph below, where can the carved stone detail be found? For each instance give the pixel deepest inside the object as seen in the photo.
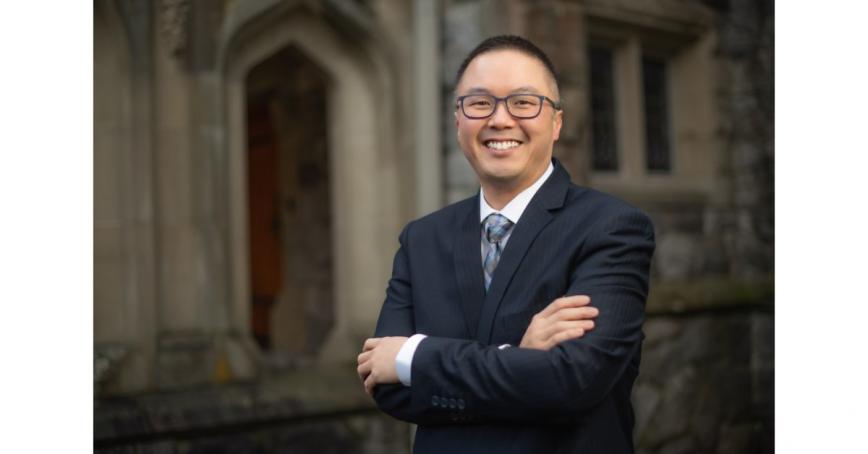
(174, 25)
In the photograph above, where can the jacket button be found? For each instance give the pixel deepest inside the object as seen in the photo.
(435, 401)
(452, 403)
(461, 404)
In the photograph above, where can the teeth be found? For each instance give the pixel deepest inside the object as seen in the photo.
(505, 145)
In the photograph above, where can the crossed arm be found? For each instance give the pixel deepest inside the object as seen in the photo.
(564, 319)
(556, 373)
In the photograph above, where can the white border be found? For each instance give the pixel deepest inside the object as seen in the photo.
(46, 233)
(821, 223)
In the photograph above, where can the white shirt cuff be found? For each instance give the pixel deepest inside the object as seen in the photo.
(404, 360)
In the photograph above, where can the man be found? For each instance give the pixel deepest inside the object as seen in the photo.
(486, 338)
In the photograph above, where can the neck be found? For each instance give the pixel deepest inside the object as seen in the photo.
(500, 192)
(498, 196)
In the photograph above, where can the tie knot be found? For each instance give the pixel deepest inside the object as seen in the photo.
(496, 226)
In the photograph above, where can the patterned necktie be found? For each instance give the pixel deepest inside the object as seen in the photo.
(495, 228)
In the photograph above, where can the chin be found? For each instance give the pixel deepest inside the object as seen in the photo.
(499, 170)
(499, 173)
(504, 167)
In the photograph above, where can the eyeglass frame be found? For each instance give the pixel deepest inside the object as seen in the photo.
(460, 103)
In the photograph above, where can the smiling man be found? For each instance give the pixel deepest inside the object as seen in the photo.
(513, 319)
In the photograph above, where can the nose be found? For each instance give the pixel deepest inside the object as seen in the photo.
(501, 117)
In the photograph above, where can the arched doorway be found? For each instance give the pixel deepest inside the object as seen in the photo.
(363, 165)
(288, 201)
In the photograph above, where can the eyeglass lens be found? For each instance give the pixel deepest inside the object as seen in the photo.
(519, 106)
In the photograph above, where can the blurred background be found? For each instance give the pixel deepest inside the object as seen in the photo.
(255, 160)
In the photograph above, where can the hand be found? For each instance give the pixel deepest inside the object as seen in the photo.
(377, 361)
(564, 319)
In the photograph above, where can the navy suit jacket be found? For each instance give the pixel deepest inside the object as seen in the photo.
(468, 396)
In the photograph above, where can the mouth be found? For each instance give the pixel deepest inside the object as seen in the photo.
(499, 146)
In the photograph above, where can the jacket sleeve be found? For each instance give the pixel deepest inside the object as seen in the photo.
(396, 319)
(482, 382)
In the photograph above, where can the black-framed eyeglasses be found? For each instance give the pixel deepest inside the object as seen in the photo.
(521, 105)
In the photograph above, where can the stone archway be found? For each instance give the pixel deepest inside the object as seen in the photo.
(363, 172)
(289, 216)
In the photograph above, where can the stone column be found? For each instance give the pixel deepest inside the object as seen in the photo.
(426, 63)
(124, 237)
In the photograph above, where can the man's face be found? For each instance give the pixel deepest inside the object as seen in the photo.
(508, 153)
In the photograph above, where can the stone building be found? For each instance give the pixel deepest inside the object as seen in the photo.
(255, 160)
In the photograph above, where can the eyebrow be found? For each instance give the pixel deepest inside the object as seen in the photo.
(522, 89)
(525, 89)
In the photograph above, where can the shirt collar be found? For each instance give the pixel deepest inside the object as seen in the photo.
(514, 209)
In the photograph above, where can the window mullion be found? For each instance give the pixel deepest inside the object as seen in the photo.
(628, 89)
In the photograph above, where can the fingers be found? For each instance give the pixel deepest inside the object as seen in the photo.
(576, 313)
(371, 343)
(586, 325)
(564, 326)
(563, 319)
(564, 336)
(364, 356)
(364, 369)
(366, 365)
(369, 385)
(565, 302)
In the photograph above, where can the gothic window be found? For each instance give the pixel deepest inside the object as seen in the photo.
(650, 101)
(655, 115)
(603, 128)
(656, 106)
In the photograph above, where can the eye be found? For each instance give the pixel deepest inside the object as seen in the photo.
(524, 102)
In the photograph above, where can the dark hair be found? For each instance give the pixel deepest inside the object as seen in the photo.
(511, 42)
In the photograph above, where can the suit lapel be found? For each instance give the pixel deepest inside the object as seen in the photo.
(467, 257)
(535, 217)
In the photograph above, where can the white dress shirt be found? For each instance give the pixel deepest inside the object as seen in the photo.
(512, 211)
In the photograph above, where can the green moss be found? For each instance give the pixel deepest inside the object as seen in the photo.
(710, 293)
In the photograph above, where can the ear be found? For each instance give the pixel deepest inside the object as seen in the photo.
(558, 120)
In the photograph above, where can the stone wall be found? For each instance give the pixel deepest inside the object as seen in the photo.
(707, 375)
(311, 410)
(706, 384)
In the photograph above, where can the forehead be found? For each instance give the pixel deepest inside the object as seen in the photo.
(502, 71)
